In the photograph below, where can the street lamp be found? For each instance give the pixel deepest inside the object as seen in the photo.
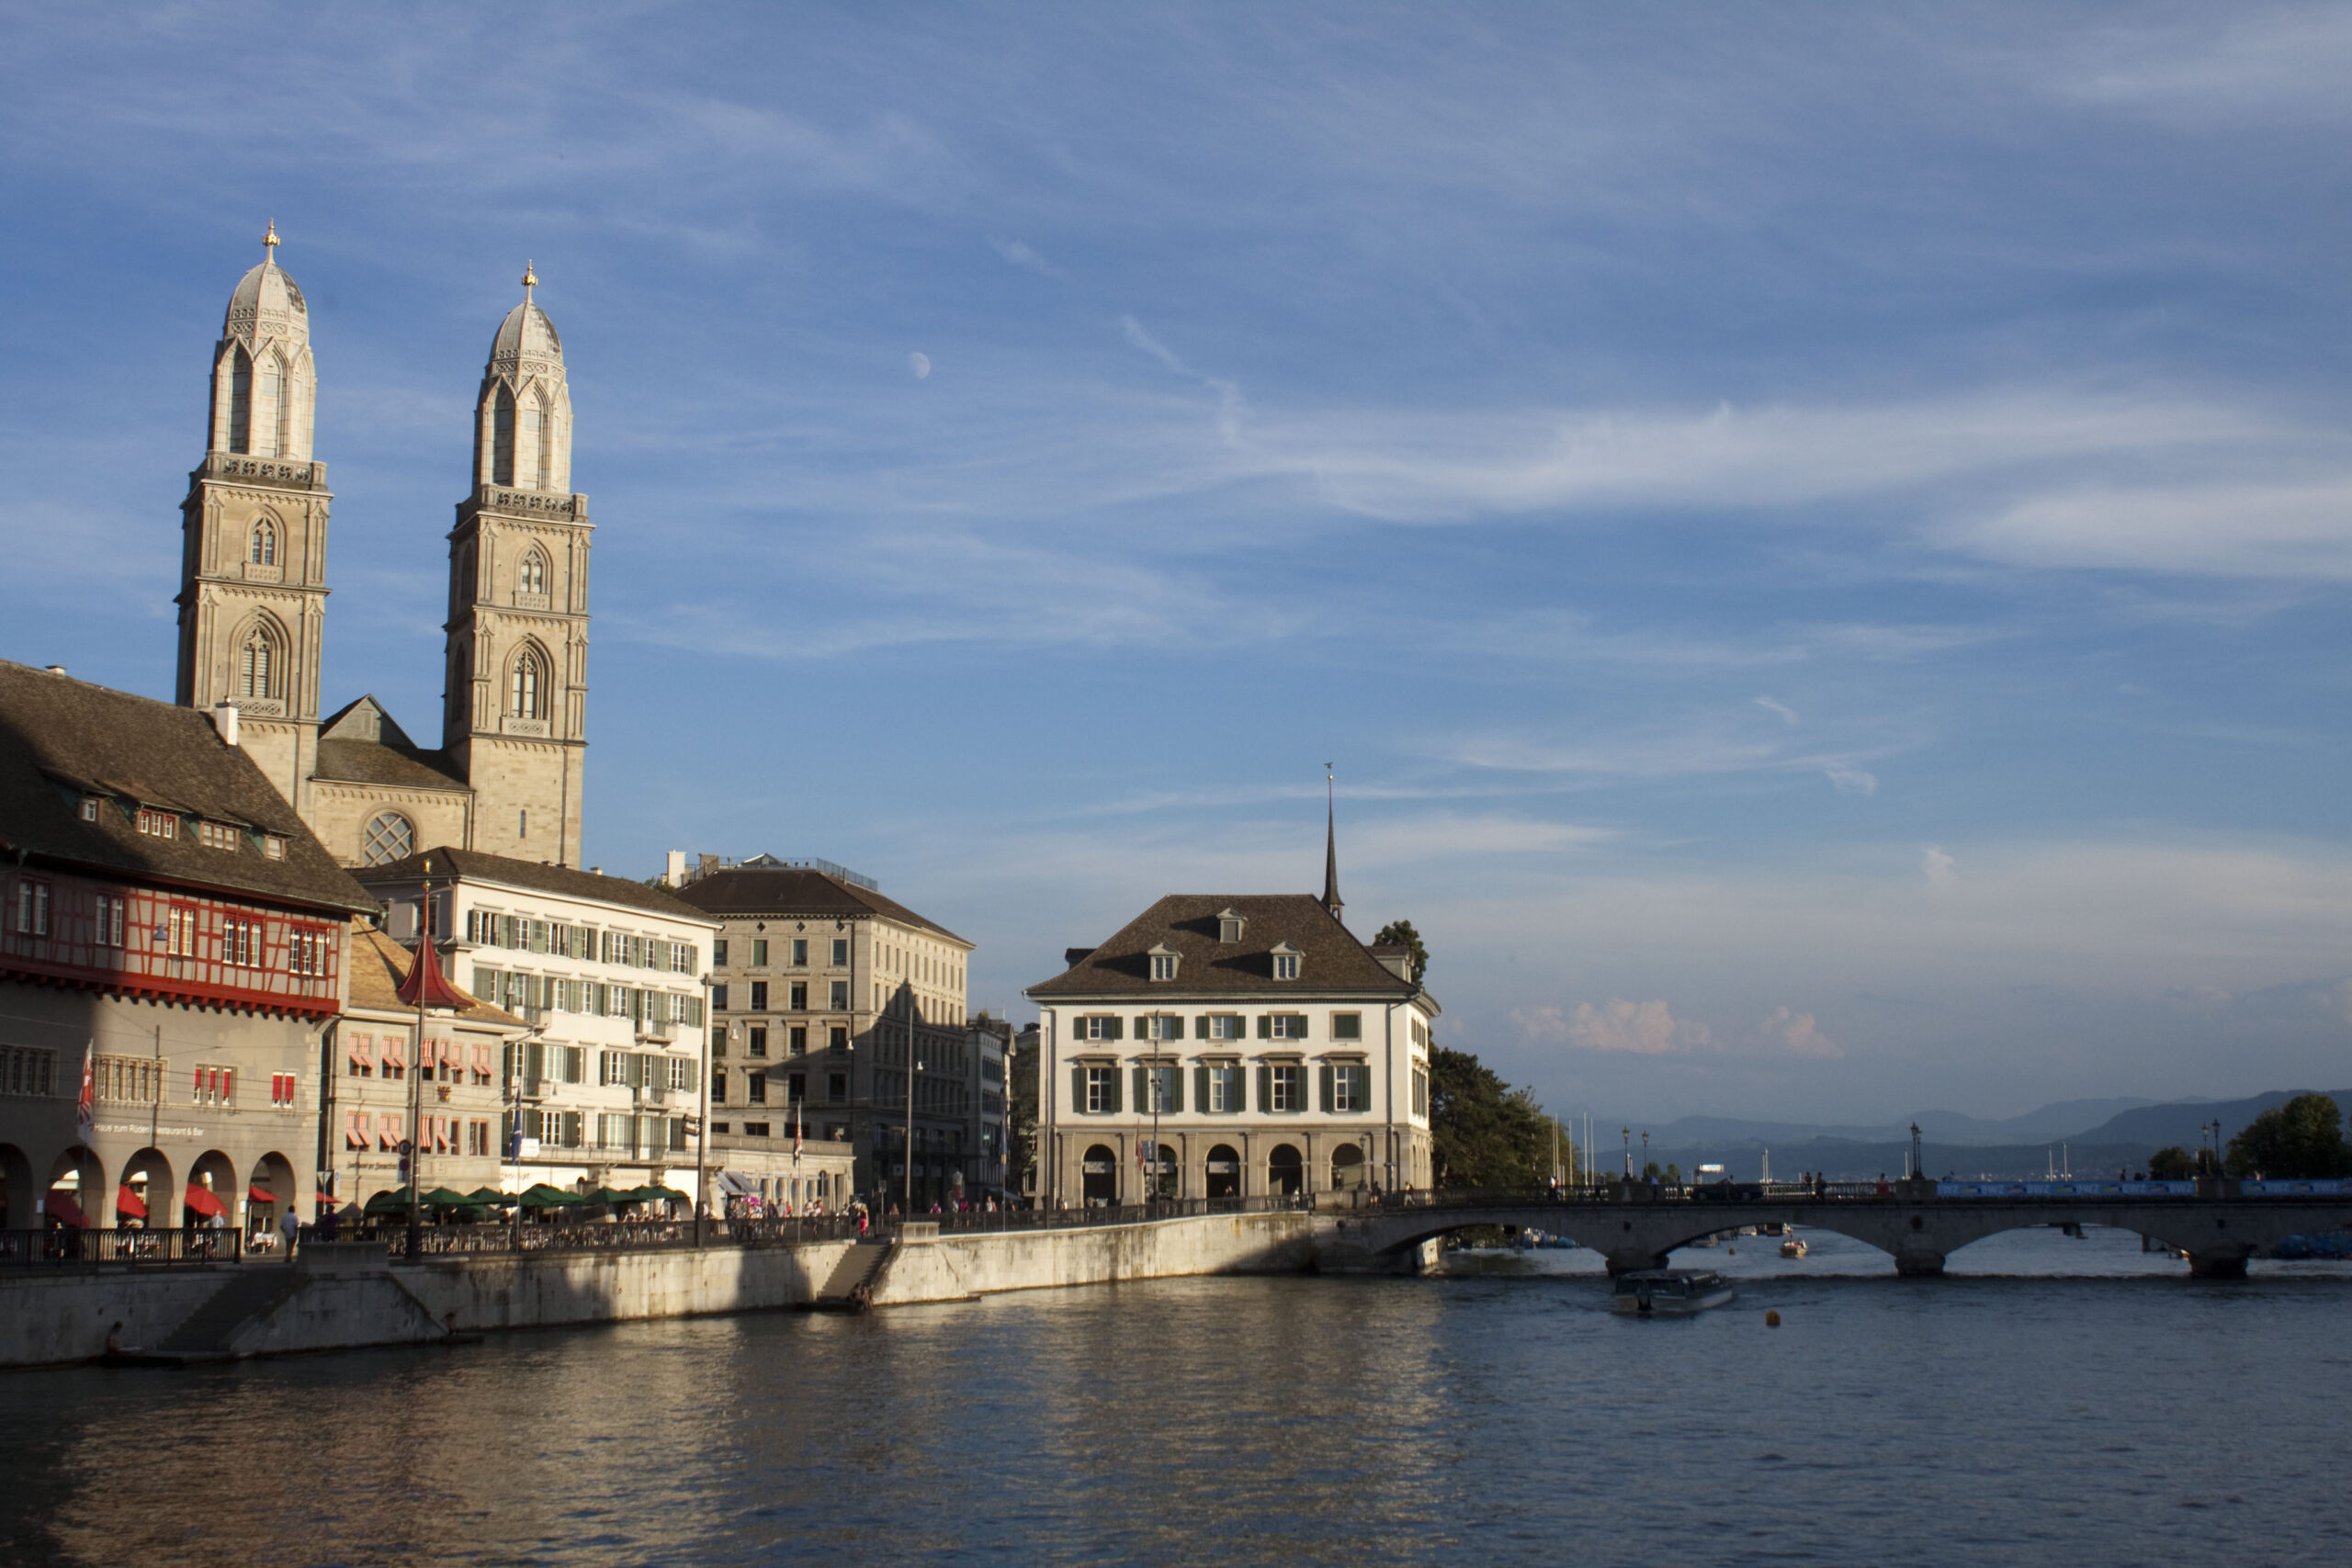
(1627, 1133)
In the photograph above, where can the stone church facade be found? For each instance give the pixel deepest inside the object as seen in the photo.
(506, 776)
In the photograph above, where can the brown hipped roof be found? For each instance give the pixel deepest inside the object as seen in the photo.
(378, 965)
(737, 892)
(62, 740)
(1187, 923)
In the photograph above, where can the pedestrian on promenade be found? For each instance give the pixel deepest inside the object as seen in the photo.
(291, 1223)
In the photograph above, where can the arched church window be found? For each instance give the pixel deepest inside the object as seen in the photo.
(532, 466)
(257, 664)
(388, 838)
(264, 551)
(527, 685)
(502, 439)
(267, 406)
(241, 401)
(531, 577)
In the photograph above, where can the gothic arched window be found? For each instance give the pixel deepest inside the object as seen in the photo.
(241, 401)
(389, 837)
(530, 469)
(531, 576)
(259, 664)
(502, 439)
(526, 686)
(264, 550)
(268, 405)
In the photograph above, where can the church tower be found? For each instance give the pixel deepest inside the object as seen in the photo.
(516, 709)
(252, 592)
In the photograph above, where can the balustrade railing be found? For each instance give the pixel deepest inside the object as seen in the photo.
(70, 1245)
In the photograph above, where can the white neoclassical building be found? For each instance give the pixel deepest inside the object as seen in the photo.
(1238, 1045)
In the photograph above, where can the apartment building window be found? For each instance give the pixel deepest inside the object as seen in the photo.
(1160, 1026)
(107, 925)
(836, 1087)
(215, 1086)
(89, 809)
(797, 994)
(759, 952)
(722, 1128)
(1163, 963)
(32, 908)
(1347, 1026)
(1347, 1088)
(272, 847)
(1289, 1088)
(1420, 1033)
(755, 1088)
(719, 1086)
(1420, 1092)
(1223, 1092)
(718, 998)
(1100, 1090)
(1286, 965)
(1101, 1026)
(1163, 1093)
(216, 835)
(281, 1089)
(841, 995)
(798, 1037)
(1221, 1026)
(759, 996)
(759, 1040)
(241, 943)
(718, 952)
(796, 1088)
(158, 824)
(800, 953)
(306, 952)
(28, 1070)
(840, 950)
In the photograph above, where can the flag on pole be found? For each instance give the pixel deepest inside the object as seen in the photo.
(86, 1109)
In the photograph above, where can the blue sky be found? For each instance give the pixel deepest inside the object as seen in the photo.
(1817, 538)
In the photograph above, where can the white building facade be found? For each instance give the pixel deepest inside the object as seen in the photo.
(1233, 1046)
(609, 974)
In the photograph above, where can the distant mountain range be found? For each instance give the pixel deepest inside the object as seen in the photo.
(2097, 1135)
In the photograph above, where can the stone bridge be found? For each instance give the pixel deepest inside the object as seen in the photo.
(1916, 1227)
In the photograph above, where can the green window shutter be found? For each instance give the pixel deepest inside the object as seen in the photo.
(1326, 1088)
(1265, 1088)
(1175, 1089)
(1078, 1092)
(1114, 1107)
(1200, 1088)
(1143, 1092)
(1116, 1027)
(1265, 1026)
(1200, 1027)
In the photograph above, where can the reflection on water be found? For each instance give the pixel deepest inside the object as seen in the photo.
(1247, 1421)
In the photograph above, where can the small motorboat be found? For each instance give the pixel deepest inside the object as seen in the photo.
(1792, 1245)
(1668, 1292)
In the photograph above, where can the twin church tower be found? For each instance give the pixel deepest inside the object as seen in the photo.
(506, 778)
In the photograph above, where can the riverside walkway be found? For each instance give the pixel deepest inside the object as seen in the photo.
(2219, 1223)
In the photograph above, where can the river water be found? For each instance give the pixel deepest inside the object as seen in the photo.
(2053, 1401)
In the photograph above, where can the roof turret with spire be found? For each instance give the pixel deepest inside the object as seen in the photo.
(1330, 842)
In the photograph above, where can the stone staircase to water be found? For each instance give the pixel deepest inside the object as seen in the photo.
(861, 1266)
(246, 1294)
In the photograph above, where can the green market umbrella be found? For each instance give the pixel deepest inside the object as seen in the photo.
(545, 1197)
(659, 1195)
(443, 1198)
(395, 1202)
(490, 1198)
(610, 1196)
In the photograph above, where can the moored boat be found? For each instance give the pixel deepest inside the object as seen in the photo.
(1792, 1245)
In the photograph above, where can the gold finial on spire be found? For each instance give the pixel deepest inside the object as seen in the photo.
(530, 281)
(269, 243)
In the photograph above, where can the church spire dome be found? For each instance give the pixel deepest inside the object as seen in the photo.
(523, 421)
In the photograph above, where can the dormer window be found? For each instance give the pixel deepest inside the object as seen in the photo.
(1286, 959)
(1164, 960)
(89, 809)
(1228, 926)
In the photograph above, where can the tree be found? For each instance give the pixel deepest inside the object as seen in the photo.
(1020, 1117)
(1400, 933)
(2175, 1163)
(1673, 1175)
(1482, 1132)
(2302, 1138)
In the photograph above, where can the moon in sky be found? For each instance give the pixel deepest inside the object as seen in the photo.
(920, 364)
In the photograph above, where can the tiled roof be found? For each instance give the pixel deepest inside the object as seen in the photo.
(1332, 960)
(378, 965)
(61, 739)
(361, 744)
(736, 892)
(538, 876)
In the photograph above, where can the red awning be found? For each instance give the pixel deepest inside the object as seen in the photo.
(201, 1200)
(259, 1195)
(62, 1207)
(127, 1204)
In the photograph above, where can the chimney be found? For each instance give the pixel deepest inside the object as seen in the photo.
(224, 719)
(675, 876)
(709, 863)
